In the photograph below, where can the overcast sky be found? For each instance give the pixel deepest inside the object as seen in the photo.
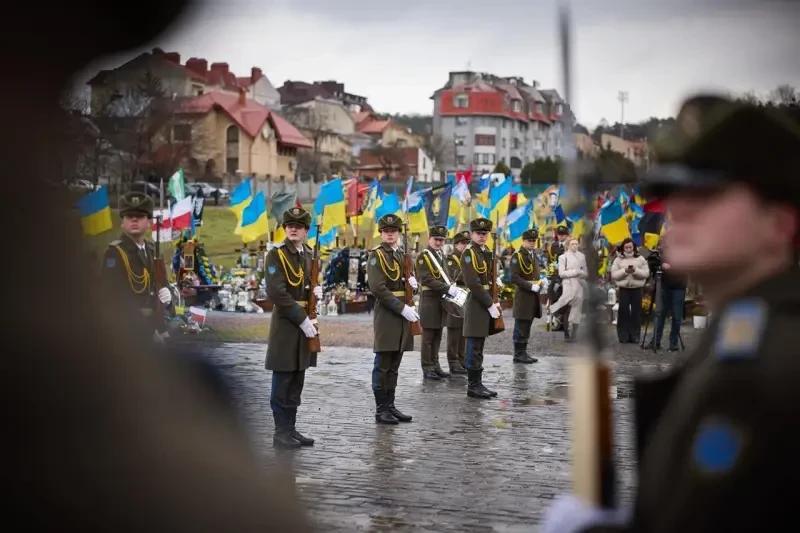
(397, 53)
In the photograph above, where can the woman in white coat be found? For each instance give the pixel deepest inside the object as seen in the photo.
(629, 272)
(573, 272)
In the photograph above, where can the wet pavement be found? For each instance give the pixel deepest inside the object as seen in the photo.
(463, 464)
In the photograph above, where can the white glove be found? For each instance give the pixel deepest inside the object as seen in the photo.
(413, 282)
(452, 290)
(318, 292)
(164, 296)
(410, 314)
(570, 514)
(535, 287)
(308, 328)
(494, 310)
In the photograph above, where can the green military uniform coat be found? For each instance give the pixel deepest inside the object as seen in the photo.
(288, 348)
(453, 268)
(386, 282)
(134, 284)
(524, 271)
(476, 267)
(431, 307)
(720, 433)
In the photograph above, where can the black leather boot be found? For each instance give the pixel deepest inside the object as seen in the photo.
(382, 414)
(395, 411)
(456, 368)
(284, 441)
(488, 391)
(521, 353)
(296, 435)
(441, 373)
(475, 388)
(431, 374)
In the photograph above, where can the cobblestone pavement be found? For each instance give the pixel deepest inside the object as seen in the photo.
(462, 465)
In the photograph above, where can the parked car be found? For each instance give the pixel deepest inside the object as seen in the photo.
(152, 190)
(208, 189)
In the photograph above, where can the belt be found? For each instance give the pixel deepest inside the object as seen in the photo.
(426, 289)
(301, 302)
(487, 287)
(399, 293)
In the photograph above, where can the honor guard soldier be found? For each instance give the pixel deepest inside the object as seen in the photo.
(525, 276)
(288, 285)
(455, 324)
(392, 319)
(128, 264)
(430, 269)
(717, 434)
(479, 310)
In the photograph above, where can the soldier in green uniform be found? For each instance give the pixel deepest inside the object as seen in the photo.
(288, 285)
(128, 264)
(391, 320)
(430, 266)
(525, 275)
(455, 324)
(717, 434)
(479, 310)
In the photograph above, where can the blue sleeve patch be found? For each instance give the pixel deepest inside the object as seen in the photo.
(741, 327)
(271, 269)
(514, 260)
(373, 261)
(111, 262)
(717, 446)
(467, 259)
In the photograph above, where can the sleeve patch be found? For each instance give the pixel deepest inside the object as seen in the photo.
(111, 262)
(740, 330)
(468, 259)
(716, 448)
(271, 269)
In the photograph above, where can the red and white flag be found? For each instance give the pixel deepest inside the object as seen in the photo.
(198, 314)
(162, 229)
(182, 213)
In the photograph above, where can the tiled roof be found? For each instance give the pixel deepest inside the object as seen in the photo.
(374, 126)
(250, 117)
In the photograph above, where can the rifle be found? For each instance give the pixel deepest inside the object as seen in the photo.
(590, 373)
(498, 324)
(159, 273)
(408, 271)
(311, 305)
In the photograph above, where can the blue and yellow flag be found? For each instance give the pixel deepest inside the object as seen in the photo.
(254, 219)
(613, 224)
(95, 212)
(241, 197)
(518, 222)
(331, 205)
(499, 198)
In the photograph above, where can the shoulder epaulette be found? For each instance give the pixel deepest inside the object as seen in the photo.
(115, 242)
(280, 244)
(375, 248)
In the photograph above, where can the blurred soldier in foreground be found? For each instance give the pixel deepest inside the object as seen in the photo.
(128, 264)
(525, 275)
(103, 435)
(716, 434)
(392, 319)
(455, 324)
(288, 268)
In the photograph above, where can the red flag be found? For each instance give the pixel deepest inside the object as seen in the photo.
(464, 175)
(655, 206)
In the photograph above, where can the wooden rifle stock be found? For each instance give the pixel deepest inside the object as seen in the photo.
(311, 305)
(408, 271)
(498, 324)
(159, 275)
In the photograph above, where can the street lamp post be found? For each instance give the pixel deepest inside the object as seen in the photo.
(622, 96)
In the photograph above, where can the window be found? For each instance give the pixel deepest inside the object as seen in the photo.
(505, 123)
(461, 101)
(461, 121)
(488, 159)
(232, 149)
(459, 140)
(484, 140)
(516, 162)
(515, 143)
(461, 159)
(516, 106)
(538, 107)
(182, 133)
(476, 159)
(505, 142)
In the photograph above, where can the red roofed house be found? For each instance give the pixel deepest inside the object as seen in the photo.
(395, 163)
(491, 119)
(385, 132)
(231, 135)
(179, 80)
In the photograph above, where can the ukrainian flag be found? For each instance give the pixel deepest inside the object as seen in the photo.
(518, 222)
(95, 212)
(387, 204)
(613, 224)
(240, 198)
(331, 205)
(254, 219)
(499, 198)
(417, 217)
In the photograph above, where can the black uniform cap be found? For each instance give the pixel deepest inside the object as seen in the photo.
(438, 231)
(390, 221)
(297, 215)
(530, 235)
(136, 203)
(462, 236)
(480, 224)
